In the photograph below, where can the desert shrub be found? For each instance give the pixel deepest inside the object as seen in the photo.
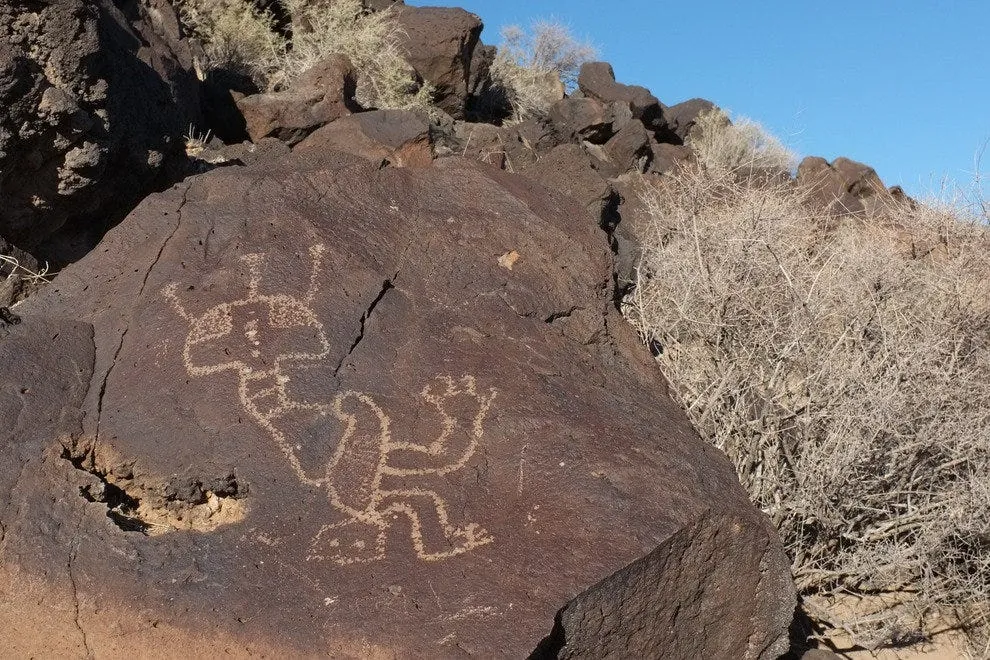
(721, 145)
(370, 40)
(843, 366)
(530, 67)
(236, 36)
(239, 37)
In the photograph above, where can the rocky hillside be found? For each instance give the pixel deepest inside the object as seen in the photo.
(324, 377)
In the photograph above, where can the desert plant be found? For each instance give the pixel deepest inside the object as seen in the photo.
(239, 37)
(723, 145)
(844, 368)
(370, 40)
(533, 69)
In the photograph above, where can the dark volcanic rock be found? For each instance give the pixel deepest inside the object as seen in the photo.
(439, 43)
(667, 156)
(682, 117)
(314, 407)
(94, 100)
(597, 80)
(385, 137)
(571, 170)
(582, 119)
(324, 93)
(845, 187)
(629, 149)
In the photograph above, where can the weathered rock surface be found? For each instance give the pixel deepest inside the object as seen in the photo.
(845, 187)
(597, 80)
(322, 94)
(316, 407)
(667, 156)
(439, 43)
(571, 170)
(582, 119)
(681, 118)
(94, 100)
(385, 137)
(629, 149)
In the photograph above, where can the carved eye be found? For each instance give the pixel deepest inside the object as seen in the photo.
(215, 323)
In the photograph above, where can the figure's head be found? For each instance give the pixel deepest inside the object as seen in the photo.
(255, 334)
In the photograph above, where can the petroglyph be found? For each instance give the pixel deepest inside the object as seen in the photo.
(371, 479)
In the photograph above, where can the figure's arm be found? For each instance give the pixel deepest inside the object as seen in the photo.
(461, 410)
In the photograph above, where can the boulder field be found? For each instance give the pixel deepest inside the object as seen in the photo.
(314, 406)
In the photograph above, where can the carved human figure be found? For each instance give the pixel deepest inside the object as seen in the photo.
(370, 479)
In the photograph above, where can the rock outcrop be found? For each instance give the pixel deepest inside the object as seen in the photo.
(94, 100)
(597, 80)
(385, 137)
(317, 406)
(846, 187)
(320, 95)
(439, 43)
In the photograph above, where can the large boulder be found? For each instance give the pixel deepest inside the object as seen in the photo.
(630, 148)
(846, 187)
(325, 92)
(583, 119)
(572, 170)
(400, 138)
(597, 80)
(314, 407)
(439, 43)
(94, 100)
(682, 117)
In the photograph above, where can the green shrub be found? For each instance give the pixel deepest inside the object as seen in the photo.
(844, 368)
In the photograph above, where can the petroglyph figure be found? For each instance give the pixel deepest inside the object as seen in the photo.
(370, 479)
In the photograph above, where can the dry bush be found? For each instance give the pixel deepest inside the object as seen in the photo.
(844, 368)
(530, 67)
(370, 40)
(722, 146)
(238, 37)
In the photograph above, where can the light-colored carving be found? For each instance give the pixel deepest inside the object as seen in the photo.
(370, 478)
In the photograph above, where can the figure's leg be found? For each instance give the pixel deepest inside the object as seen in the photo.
(433, 537)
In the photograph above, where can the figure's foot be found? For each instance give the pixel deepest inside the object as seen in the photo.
(461, 540)
(471, 536)
(349, 542)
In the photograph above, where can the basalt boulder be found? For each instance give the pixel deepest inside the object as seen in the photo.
(94, 100)
(597, 80)
(682, 117)
(322, 94)
(385, 137)
(846, 187)
(439, 43)
(317, 407)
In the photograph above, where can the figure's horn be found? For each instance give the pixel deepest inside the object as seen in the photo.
(169, 292)
(316, 254)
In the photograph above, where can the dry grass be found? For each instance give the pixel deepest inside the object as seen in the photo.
(239, 38)
(721, 146)
(532, 69)
(18, 281)
(236, 37)
(370, 40)
(844, 368)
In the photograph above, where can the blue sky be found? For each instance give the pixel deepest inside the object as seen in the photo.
(903, 86)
